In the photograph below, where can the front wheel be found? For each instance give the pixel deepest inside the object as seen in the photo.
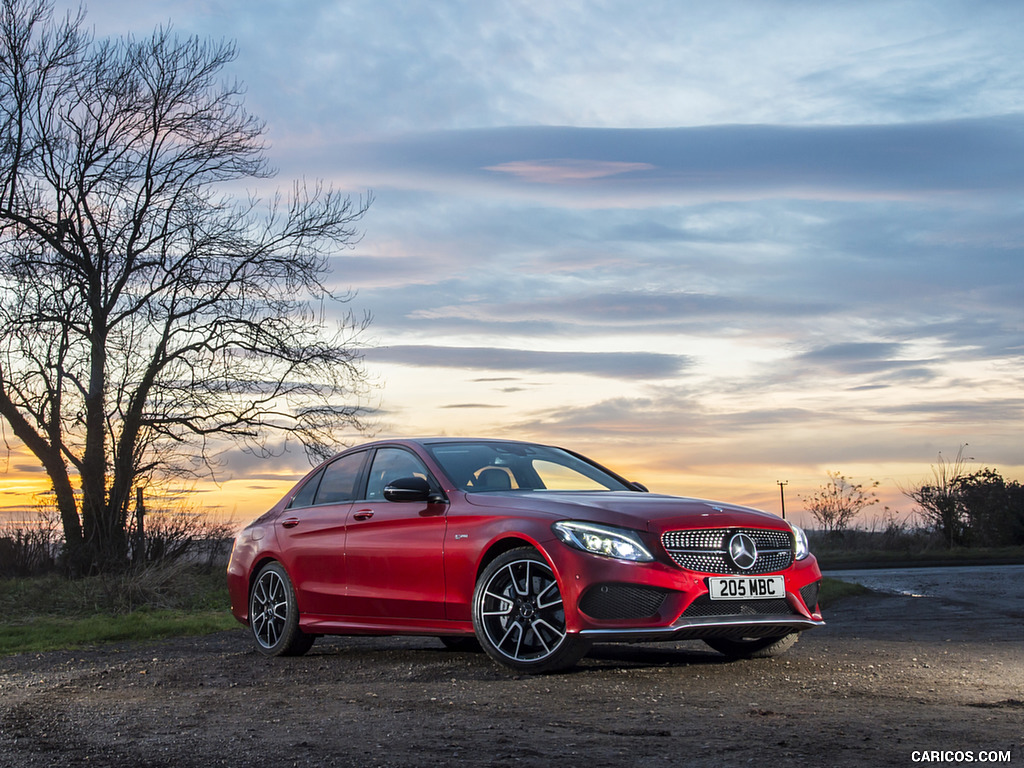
(274, 614)
(519, 618)
(753, 647)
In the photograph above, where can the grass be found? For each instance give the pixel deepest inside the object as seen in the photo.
(51, 633)
(834, 589)
(51, 613)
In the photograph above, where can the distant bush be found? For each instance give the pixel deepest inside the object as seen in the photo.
(893, 543)
(993, 509)
(977, 508)
(180, 534)
(891, 536)
(30, 548)
(34, 546)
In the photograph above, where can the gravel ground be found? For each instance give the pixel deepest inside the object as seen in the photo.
(891, 675)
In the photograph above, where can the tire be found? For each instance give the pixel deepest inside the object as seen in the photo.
(274, 614)
(753, 647)
(519, 618)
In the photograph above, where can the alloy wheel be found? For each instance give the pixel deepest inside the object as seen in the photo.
(274, 614)
(521, 611)
(268, 610)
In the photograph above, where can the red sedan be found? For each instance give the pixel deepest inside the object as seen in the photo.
(534, 551)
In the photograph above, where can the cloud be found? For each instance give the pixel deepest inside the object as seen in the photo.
(856, 358)
(386, 65)
(566, 171)
(28, 468)
(992, 331)
(818, 205)
(616, 365)
(597, 313)
(371, 66)
(1005, 410)
(856, 351)
(672, 427)
(727, 162)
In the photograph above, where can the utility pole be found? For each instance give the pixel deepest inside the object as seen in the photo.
(782, 493)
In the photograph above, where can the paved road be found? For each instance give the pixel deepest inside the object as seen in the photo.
(998, 588)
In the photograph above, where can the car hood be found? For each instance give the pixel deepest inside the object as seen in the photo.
(628, 509)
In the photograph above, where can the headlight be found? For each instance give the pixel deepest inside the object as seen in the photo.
(604, 540)
(801, 549)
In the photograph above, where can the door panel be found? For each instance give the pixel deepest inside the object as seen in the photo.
(313, 537)
(394, 550)
(313, 542)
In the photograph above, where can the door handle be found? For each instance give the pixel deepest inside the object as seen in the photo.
(363, 514)
(290, 522)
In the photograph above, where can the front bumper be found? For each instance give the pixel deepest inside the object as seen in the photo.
(609, 600)
(734, 627)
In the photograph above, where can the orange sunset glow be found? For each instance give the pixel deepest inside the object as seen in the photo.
(712, 264)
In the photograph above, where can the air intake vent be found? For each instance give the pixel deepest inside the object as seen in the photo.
(810, 594)
(622, 601)
(705, 606)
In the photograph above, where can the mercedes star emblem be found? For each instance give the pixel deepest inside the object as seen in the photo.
(743, 551)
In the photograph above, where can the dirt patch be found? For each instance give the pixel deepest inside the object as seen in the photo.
(888, 676)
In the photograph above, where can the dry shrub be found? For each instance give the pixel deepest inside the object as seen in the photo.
(29, 547)
(181, 533)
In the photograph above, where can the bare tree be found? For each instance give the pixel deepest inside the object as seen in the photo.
(146, 314)
(939, 501)
(835, 504)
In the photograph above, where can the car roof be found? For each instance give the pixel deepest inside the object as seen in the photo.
(439, 440)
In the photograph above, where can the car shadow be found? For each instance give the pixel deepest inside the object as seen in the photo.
(624, 655)
(430, 655)
(612, 656)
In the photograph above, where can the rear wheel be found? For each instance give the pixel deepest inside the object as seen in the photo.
(274, 614)
(519, 618)
(753, 647)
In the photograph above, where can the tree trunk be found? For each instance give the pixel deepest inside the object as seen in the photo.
(105, 540)
(64, 495)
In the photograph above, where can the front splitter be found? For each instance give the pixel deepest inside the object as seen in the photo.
(700, 628)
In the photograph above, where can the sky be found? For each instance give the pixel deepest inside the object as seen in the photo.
(715, 246)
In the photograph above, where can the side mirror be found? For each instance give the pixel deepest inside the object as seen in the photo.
(640, 487)
(411, 489)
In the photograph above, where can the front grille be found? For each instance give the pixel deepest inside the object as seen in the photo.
(705, 606)
(622, 601)
(707, 550)
(810, 594)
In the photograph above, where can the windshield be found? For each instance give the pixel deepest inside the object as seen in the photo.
(494, 466)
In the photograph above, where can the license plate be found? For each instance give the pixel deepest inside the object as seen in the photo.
(746, 587)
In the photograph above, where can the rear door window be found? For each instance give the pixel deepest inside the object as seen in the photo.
(341, 479)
